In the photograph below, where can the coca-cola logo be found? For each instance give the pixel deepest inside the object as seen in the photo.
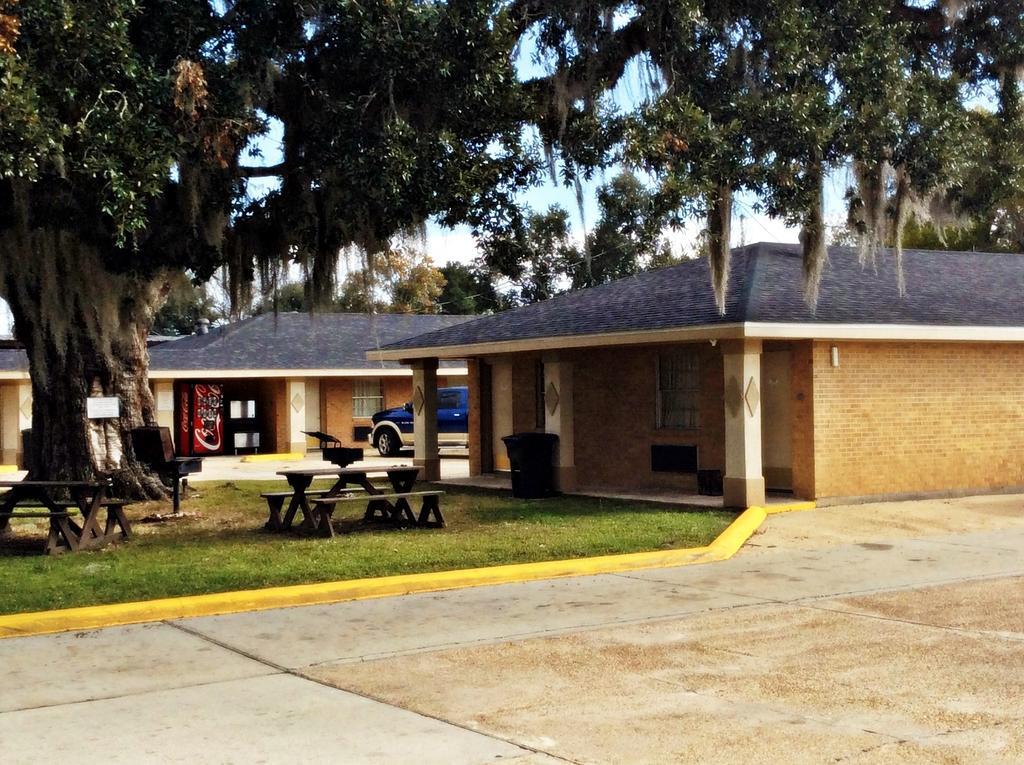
(207, 419)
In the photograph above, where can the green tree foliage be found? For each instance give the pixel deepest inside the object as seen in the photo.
(534, 255)
(542, 258)
(127, 131)
(186, 303)
(627, 237)
(403, 281)
(289, 297)
(767, 98)
(126, 147)
(469, 289)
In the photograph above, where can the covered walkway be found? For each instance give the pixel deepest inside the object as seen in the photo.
(502, 482)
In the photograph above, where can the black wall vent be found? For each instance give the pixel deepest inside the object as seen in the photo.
(360, 433)
(670, 458)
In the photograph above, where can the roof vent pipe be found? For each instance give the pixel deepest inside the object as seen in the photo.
(202, 327)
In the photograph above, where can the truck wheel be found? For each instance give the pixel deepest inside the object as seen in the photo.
(388, 444)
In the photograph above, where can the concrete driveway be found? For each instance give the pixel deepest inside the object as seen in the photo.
(868, 634)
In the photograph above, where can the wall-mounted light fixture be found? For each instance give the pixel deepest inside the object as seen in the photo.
(834, 355)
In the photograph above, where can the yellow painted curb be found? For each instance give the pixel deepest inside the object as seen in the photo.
(8, 469)
(790, 507)
(94, 617)
(282, 457)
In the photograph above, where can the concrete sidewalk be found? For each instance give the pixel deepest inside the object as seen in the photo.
(863, 643)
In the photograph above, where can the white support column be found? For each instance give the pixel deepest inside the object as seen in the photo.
(558, 419)
(743, 483)
(424, 408)
(15, 416)
(295, 397)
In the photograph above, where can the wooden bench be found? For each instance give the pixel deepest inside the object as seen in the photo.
(35, 514)
(393, 507)
(116, 519)
(276, 500)
(61, 525)
(54, 542)
(67, 508)
(46, 499)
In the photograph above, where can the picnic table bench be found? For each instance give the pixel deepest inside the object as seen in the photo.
(351, 485)
(392, 507)
(38, 499)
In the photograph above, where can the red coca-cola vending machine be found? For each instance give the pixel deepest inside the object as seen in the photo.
(200, 419)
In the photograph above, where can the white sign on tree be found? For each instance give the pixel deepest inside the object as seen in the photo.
(102, 407)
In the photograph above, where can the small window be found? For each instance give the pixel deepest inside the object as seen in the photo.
(242, 410)
(367, 398)
(448, 399)
(679, 390)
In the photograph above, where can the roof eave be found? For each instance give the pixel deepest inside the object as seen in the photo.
(228, 374)
(937, 333)
(640, 337)
(744, 330)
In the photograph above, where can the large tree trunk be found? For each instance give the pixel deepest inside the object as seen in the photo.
(84, 329)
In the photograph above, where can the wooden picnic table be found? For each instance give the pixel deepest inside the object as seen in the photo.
(88, 497)
(383, 503)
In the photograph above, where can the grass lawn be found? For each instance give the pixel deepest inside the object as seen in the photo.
(225, 548)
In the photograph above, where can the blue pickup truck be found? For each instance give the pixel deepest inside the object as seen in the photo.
(392, 428)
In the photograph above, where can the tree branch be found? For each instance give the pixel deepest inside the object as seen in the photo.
(606, 66)
(269, 171)
(523, 13)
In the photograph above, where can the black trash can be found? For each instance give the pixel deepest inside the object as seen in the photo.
(532, 456)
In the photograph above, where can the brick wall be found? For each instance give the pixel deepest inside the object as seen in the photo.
(524, 395)
(803, 419)
(273, 416)
(917, 417)
(615, 394)
(336, 406)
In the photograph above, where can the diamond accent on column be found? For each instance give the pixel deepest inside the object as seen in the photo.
(733, 396)
(551, 398)
(418, 400)
(752, 397)
(297, 402)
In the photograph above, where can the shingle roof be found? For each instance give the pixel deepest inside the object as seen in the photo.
(295, 341)
(13, 360)
(943, 288)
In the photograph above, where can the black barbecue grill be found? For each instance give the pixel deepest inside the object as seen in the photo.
(154, 447)
(333, 451)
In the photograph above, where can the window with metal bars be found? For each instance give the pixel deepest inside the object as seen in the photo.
(679, 389)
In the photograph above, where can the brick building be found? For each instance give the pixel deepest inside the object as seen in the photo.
(275, 376)
(873, 394)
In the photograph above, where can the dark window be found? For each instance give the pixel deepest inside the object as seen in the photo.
(448, 400)
(679, 389)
